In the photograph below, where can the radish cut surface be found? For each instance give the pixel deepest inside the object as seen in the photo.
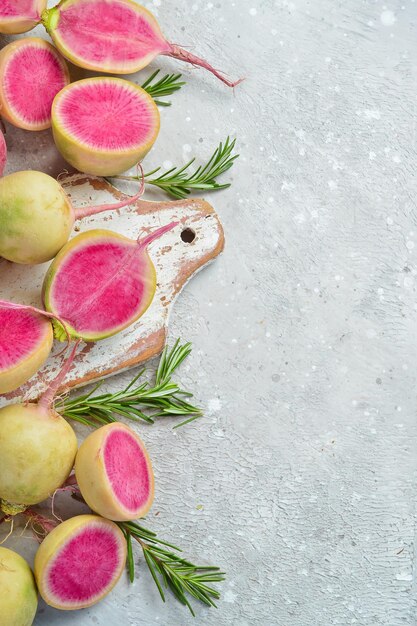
(25, 343)
(116, 37)
(79, 562)
(104, 126)
(100, 282)
(114, 473)
(19, 16)
(32, 72)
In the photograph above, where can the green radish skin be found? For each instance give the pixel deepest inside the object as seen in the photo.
(37, 451)
(18, 593)
(37, 217)
(37, 448)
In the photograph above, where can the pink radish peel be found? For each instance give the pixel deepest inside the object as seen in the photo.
(114, 36)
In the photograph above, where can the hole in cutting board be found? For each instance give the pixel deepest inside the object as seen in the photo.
(188, 235)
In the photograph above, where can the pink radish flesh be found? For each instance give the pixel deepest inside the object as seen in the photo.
(32, 77)
(89, 112)
(120, 32)
(18, 8)
(127, 469)
(82, 305)
(85, 566)
(21, 332)
(101, 282)
(3, 153)
(113, 36)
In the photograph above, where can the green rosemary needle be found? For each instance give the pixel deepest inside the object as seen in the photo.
(179, 182)
(169, 570)
(137, 401)
(169, 84)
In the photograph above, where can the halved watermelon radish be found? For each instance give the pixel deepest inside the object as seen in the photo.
(79, 562)
(18, 593)
(113, 36)
(37, 448)
(114, 473)
(100, 283)
(36, 216)
(3, 153)
(26, 338)
(32, 72)
(104, 126)
(19, 16)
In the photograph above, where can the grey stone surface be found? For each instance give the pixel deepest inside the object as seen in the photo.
(300, 482)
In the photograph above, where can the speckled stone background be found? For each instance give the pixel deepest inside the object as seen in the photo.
(301, 480)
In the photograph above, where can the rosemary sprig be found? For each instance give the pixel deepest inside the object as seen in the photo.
(165, 86)
(137, 402)
(179, 182)
(169, 570)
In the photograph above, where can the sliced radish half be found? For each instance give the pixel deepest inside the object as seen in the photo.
(19, 16)
(26, 338)
(100, 283)
(114, 473)
(79, 562)
(114, 36)
(104, 126)
(32, 72)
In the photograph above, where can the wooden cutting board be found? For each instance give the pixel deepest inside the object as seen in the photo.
(177, 256)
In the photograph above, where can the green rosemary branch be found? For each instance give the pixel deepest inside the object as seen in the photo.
(179, 182)
(169, 570)
(164, 398)
(165, 86)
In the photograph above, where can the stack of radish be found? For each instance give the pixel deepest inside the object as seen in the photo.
(101, 126)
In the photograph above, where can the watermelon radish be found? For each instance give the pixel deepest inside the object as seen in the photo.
(26, 338)
(113, 36)
(104, 126)
(79, 562)
(19, 16)
(117, 286)
(36, 216)
(3, 153)
(37, 449)
(114, 473)
(32, 72)
(18, 593)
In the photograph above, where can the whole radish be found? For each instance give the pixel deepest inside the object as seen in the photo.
(18, 593)
(113, 36)
(79, 562)
(37, 449)
(37, 217)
